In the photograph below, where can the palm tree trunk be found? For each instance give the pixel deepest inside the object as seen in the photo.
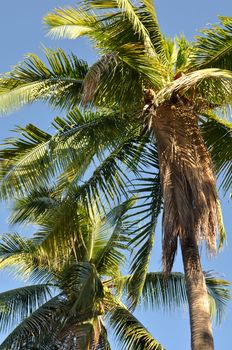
(191, 207)
(200, 323)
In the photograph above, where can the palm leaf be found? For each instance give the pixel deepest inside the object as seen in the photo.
(217, 134)
(31, 208)
(211, 84)
(129, 331)
(170, 292)
(148, 209)
(32, 80)
(17, 304)
(40, 322)
(213, 49)
(108, 254)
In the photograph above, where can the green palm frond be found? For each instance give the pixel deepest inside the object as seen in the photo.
(71, 22)
(219, 295)
(31, 80)
(41, 322)
(109, 81)
(217, 134)
(183, 53)
(37, 149)
(148, 209)
(12, 246)
(20, 256)
(129, 331)
(17, 304)
(116, 32)
(31, 208)
(82, 285)
(213, 49)
(112, 240)
(169, 292)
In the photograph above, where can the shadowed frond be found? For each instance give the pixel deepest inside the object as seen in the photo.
(170, 292)
(17, 304)
(31, 80)
(42, 321)
(147, 208)
(129, 331)
(111, 240)
(217, 134)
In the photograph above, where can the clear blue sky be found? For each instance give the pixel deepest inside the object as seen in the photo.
(22, 32)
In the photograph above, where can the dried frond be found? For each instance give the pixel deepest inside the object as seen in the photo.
(191, 204)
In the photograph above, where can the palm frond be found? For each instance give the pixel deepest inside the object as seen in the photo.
(219, 295)
(213, 49)
(169, 292)
(183, 54)
(71, 22)
(30, 208)
(148, 209)
(114, 32)
(31, 80)
(129, 331)
(42, 321)
(217, 134)
(17, 304)
(212, 84)
(48, 154)
(20, 256)
(108, 254)
(83, 286)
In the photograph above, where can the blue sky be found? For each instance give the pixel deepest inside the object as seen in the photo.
(22, 32)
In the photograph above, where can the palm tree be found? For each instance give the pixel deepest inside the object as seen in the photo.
(169, 90)
(67, 306)
(77, 266)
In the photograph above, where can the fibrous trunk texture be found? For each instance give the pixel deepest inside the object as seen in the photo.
(191, 203)
(201, 330)
(191, 207)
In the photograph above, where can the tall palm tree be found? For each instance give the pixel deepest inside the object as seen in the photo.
(170, 89)
(67, 307)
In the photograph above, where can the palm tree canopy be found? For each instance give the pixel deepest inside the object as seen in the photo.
(72, 293)
(75, 261)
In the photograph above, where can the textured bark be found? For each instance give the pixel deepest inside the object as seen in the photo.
(200, 323)
(191, 206)
(188, 183)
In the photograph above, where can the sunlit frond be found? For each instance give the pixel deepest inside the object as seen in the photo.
(31, 80)
(213, 85)
(213, 49)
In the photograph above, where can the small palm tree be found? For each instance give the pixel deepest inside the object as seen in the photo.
(168, 88)
(79, 284)
(77, 266)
